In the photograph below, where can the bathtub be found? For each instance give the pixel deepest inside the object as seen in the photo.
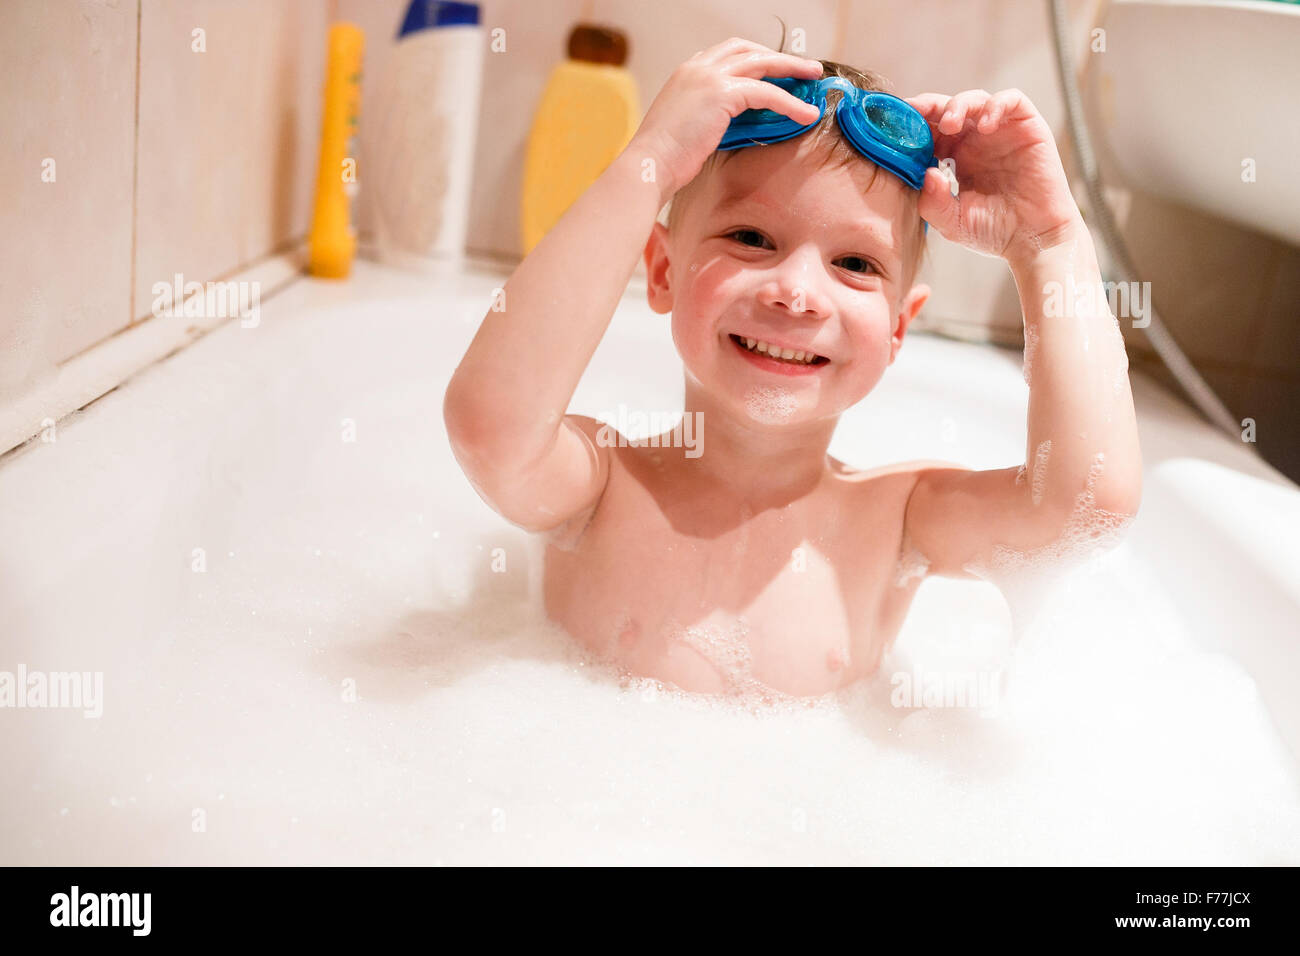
(317, 645)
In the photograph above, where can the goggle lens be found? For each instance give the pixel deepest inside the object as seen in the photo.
(904, 127)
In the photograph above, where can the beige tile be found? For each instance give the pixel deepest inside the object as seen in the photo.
(971, 296)
(69, 96)
(946, 47)
(1208, 278)
(286, 80)
(1278, 348)
(661, 36)
(228, 137)
(1272, 403)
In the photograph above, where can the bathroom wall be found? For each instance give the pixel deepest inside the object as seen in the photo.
(154, 137)
(67, 105)
(145, 138)
(1231, 298)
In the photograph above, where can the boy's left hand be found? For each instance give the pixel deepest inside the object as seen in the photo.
(1013, 198)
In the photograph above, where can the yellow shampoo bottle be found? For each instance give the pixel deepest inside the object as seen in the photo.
(333, 242)
(588, 113)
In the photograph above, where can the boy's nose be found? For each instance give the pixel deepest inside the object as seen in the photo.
(795, 284)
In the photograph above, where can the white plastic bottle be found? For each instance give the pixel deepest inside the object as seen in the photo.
(418, 144)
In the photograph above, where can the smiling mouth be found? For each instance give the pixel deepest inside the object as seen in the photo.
(788, 356)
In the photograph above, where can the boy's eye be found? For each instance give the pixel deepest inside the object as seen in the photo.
(857, 264)
(754, 238)
(748, 237)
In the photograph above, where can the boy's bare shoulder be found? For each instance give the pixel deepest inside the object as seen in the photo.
(882, 492)
(899, 473)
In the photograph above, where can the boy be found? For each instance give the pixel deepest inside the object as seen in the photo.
(759, 562)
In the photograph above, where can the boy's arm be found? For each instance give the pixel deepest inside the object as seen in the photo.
(1082, 429)
(505, 405)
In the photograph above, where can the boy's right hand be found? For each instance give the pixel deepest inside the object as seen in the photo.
(688, 118)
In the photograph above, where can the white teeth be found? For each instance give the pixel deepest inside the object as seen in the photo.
(756, 345)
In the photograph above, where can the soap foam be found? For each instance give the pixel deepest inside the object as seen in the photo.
(726, 648)
(1041, 456)
(912, 564)
(1088, 534)
(771, 404)
(1031, 346)
(482, 734)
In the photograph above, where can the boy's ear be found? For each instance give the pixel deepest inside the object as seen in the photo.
(658, 292)
(908, 310)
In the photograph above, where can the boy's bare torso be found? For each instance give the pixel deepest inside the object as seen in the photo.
(678, 578)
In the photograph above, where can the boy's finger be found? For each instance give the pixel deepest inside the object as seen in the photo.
(930, 105)
(789, 104)
(726, 48)
(1009, 104)
(990, 116)
(776, 65)
(986, 117)
(758, 95)
(954, 117)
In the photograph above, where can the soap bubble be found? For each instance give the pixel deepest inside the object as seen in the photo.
(770, 404)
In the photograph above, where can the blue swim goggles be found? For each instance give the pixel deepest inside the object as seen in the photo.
(887, 130)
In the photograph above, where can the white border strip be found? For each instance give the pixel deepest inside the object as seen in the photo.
(101, 368)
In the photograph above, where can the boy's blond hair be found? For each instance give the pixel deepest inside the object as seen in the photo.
(836, 152)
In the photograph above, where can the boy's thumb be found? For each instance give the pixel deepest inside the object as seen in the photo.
(937, 205)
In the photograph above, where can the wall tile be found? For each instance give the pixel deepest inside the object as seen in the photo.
(1209, 278)
(228, 137)
(1278, 347)
(69, 95)
(1272, 403)
(945, 47)
(662, 36)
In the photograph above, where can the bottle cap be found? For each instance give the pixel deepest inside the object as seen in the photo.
(427, 14)
(596, 44)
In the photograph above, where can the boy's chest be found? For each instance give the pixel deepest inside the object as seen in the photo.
(713, 596)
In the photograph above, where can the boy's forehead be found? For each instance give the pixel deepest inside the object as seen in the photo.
(799, 185)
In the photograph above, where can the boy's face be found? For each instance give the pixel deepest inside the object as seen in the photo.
(777, 247)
